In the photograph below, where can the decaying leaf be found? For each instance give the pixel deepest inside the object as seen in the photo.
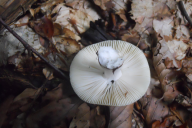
(43, 27)
(144, 12)
(152, 109)
(54, 94)
(177, 48)
(163, 27)
(75, 20)
(167, 122)
(86, 118)
(182, 32)
(27, 93)
(81, 120)
(84, 6)
(49, 115)
(101, 3)
(4, 106)
(69, 34)
(46, 7)
(14, 46)
(48, 73)
(121, 117)
(67, 45)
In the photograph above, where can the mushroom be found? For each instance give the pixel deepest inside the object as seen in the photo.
(112, 73)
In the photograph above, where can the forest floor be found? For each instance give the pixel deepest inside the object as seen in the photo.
(35, 89)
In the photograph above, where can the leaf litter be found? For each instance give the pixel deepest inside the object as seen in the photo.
(57, 30)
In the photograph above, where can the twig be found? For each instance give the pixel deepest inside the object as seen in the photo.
(141, 37)
(184, 12)
(39, 91)
(27, 46)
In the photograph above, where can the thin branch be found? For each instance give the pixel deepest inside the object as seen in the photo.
(184, 12)
(27, 46)
(37, 94)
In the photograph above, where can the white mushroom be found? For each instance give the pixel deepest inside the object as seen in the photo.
(113, 73)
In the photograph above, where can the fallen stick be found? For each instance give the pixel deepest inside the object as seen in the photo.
(27, 46)
(184, 12)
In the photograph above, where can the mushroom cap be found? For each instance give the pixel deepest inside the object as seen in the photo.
(86, 75)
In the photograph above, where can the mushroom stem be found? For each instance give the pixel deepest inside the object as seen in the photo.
(112, 74)
(111, 63)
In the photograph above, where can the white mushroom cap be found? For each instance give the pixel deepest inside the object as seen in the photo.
(87, 80)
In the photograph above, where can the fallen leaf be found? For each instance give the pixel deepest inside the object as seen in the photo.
(27, 93)
(69, 34)
(54, 94)
(167, 122)
(182, 32)
(177, 48)
(97, 120)
(121, 116)
(169, 63)
(153, 109)
(75, 20)
(14, 46)
(4, 106)
(49, 115)
(84, 6)
(47, 6)
(163, 27)
(101, 3)
(81, 120)
(57, 29)
(43, 27)
(67, 45)
(48, 73)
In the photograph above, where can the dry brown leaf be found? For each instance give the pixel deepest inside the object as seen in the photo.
(169, 49)
(118, 6)
(69, 34)
(85, 118)
(185, 101)
(144, 12)
(164, 26)
(153, 109)
(48, 73)
(122, 15)
(167, 122)
(121, 117)
(67, 45)
(177, 48)
(14, 46)
(46, 7)
(101, 3)
(27, 93)
(81, 119)
(97, 120)
(43, 27)
(54, 94)
(166, 76)
(134, 38)
(49, 115)
(4, 106)
(84, 6)
(75, 20)
(57, 29)
(182, 32)
(169, 63)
